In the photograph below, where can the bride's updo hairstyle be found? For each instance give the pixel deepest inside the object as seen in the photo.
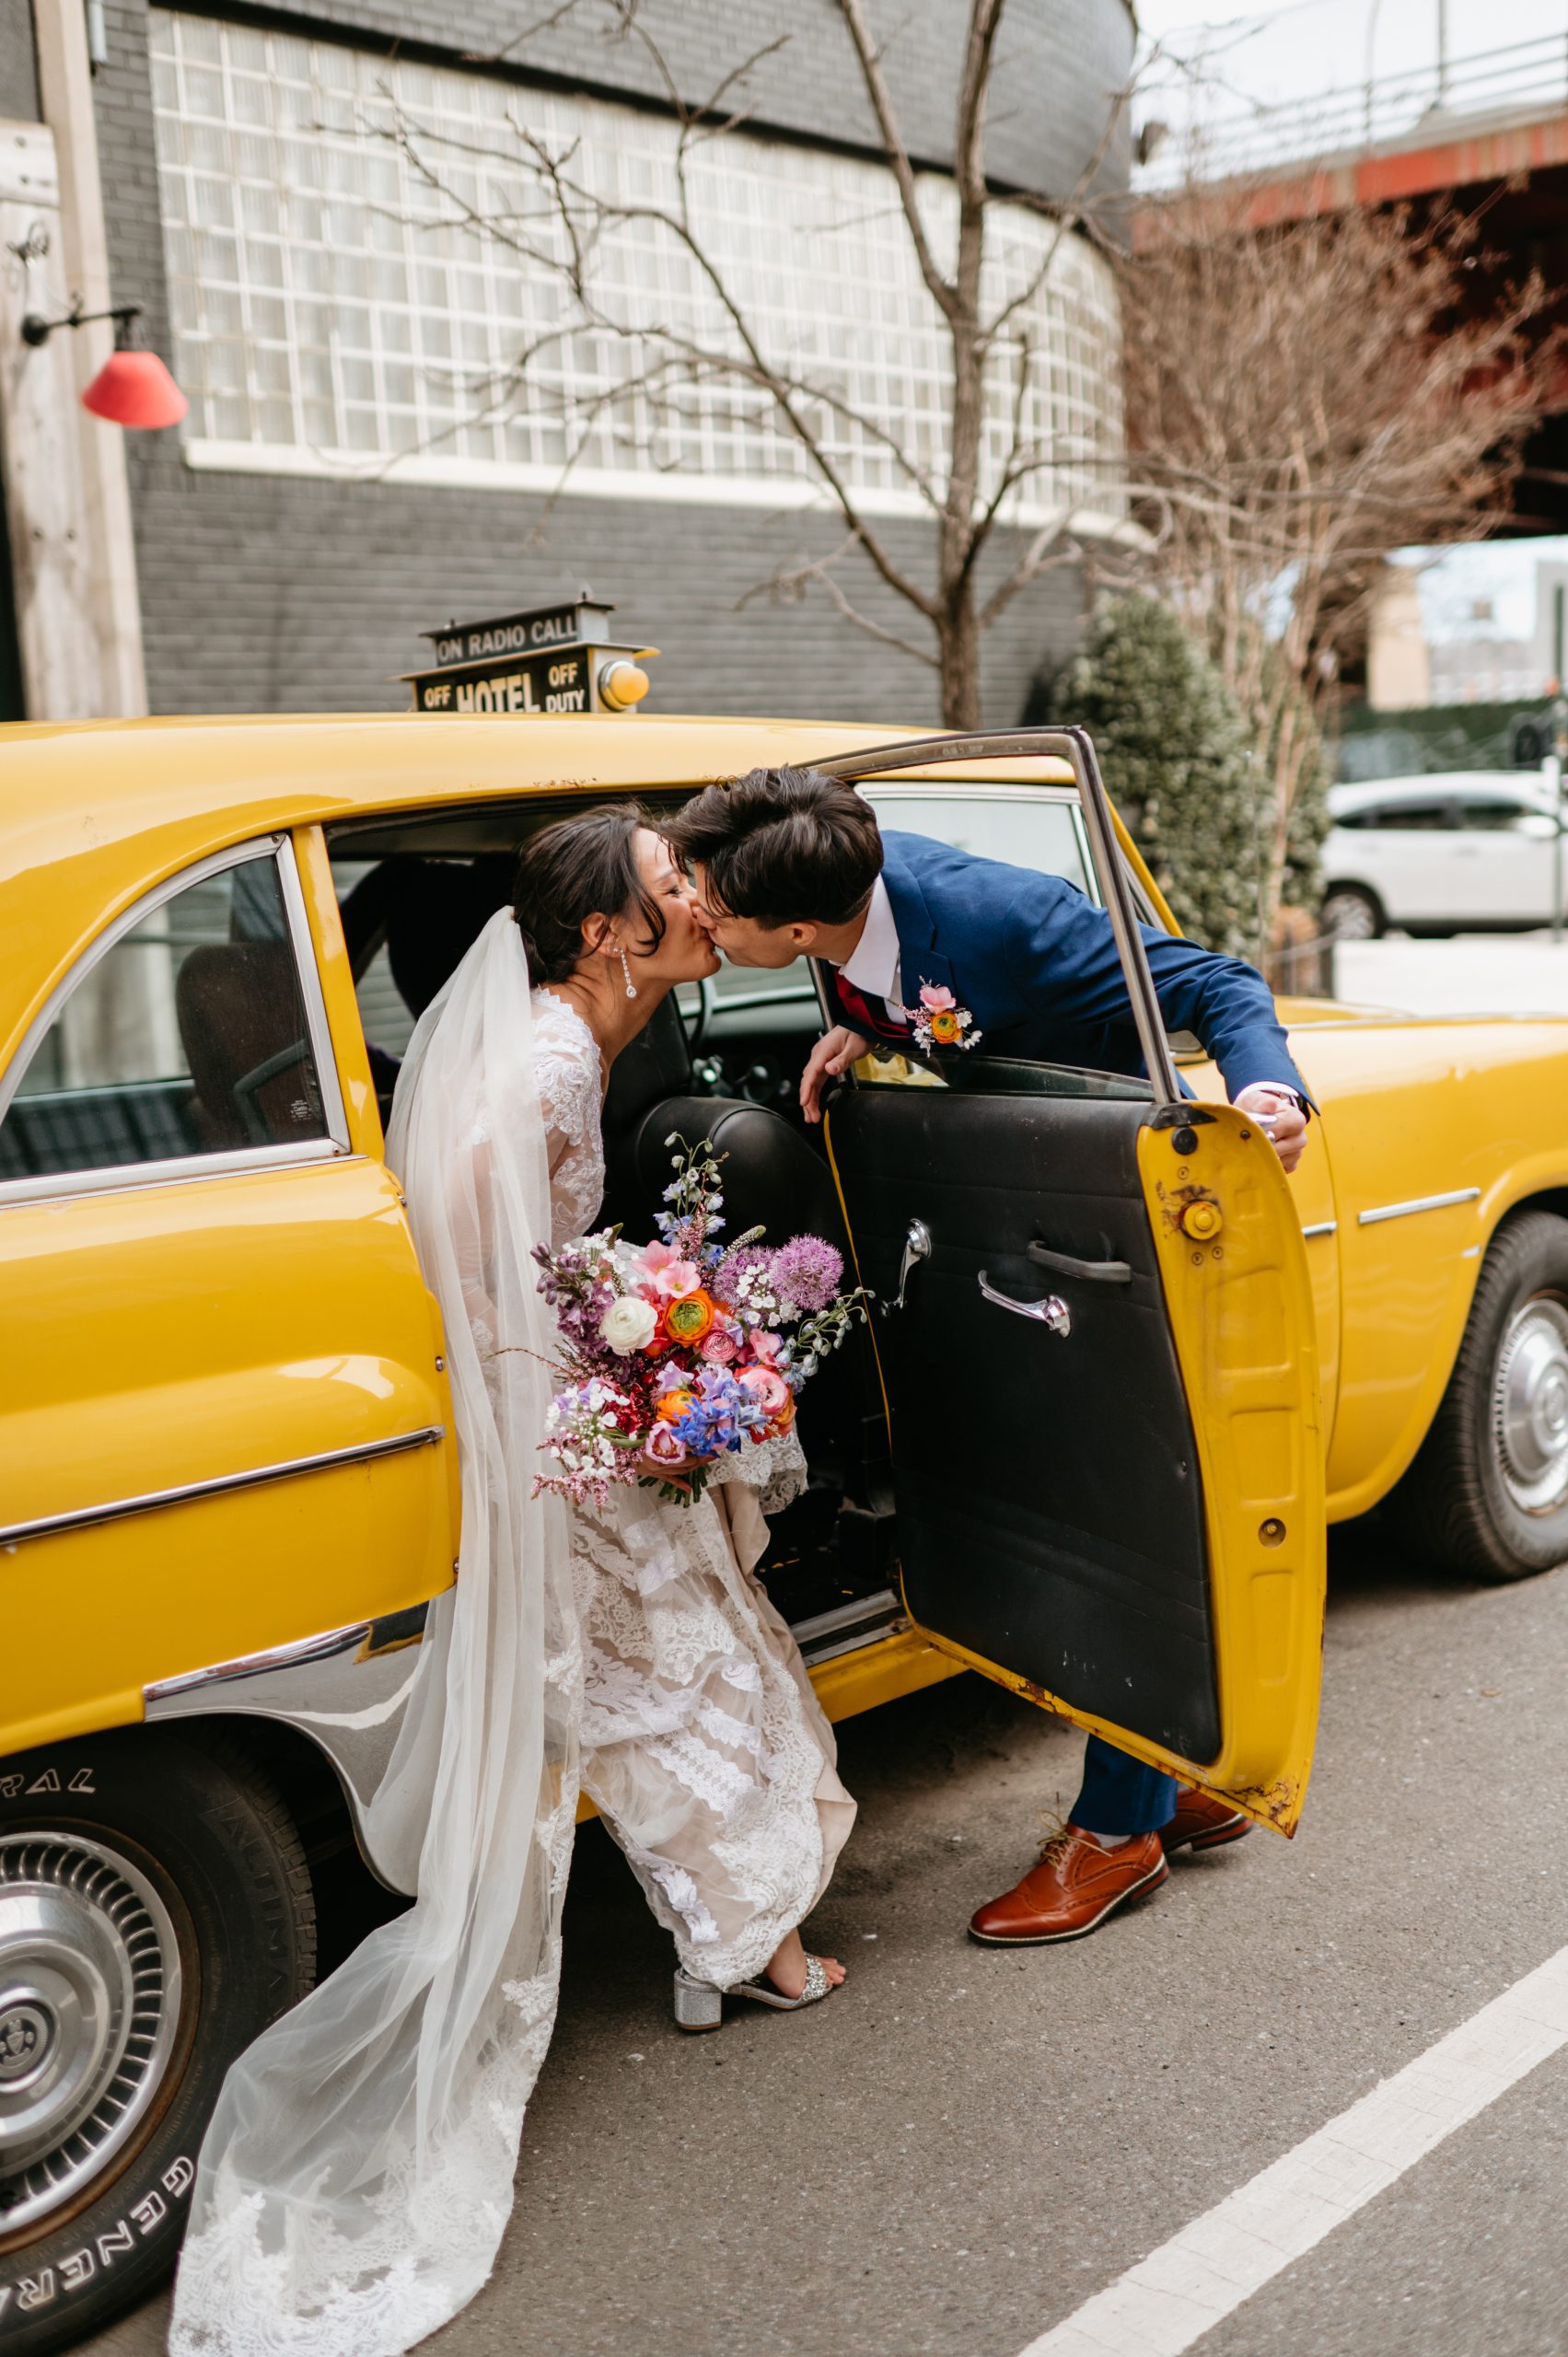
(579, 868)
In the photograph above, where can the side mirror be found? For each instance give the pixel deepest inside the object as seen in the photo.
(1538, 824)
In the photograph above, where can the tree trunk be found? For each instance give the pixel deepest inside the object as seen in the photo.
(958, 650)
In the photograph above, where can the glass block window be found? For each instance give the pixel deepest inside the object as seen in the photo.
(365, 270)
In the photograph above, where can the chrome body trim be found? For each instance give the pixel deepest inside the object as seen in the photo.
(116, 1509)
(346, 1689)
(117, 1177)
(1320, 1227)
(1418, 1203)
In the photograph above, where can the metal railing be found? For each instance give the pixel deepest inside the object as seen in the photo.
(1393, 110)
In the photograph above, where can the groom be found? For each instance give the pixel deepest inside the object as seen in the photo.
(789, 864)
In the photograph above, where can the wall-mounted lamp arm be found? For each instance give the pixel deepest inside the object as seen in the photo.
(37, 330)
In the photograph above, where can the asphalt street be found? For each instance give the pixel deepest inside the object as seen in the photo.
(955, 2150)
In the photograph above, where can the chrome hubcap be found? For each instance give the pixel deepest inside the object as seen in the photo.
(1529, 1418)
(89, 2004)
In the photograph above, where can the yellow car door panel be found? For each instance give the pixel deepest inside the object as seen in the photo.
(1105, 1452)
(223, 1424)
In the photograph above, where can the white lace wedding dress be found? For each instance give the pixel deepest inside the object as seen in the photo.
(356, 2178)
(702, 1742)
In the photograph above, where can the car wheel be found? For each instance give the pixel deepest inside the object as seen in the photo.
(156, 1913)
(1353, 914)
(1488, 1493)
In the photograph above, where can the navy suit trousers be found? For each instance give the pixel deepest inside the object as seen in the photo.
(1120, 1796)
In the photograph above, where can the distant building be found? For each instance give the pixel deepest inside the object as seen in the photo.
(1399, 668)
(358, 464)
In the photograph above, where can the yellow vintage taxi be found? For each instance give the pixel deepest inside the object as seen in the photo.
(1120, 1373)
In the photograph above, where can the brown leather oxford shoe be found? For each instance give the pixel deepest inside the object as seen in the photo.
(1076, 1885)
(1200, 1823)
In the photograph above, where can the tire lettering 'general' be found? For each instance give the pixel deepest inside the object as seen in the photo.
(79, 1780)
(30, 2292)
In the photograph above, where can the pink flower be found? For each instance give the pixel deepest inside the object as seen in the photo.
(663, 1446)
(718, 1347)
(769, 1390)
(766, 1346)
(677, 1279)
(935, 998)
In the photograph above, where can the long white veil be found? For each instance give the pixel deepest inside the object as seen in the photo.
(356, 2178)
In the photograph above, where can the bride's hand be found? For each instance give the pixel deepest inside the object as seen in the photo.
(650, 1469)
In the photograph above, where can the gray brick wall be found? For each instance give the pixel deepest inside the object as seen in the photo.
(276, 593)
(1057, 60)
(264, 593)
(18, 63)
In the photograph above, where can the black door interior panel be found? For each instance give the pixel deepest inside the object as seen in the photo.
(1051, 1512)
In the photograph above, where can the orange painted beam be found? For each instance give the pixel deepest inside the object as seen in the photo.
(1394, 175)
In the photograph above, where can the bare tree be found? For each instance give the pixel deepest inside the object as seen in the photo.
(986, 481)
(1304, 397)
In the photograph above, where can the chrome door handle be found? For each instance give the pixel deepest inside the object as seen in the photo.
(1099, 1272)
(1053, 1312)
(917, 1248)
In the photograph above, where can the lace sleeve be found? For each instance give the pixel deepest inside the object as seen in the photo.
(567, 1072)
(775, 1470)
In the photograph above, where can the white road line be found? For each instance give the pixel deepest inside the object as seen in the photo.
(1181, 2291)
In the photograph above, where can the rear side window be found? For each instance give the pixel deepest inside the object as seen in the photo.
(1494, 816)
(1410, 816)
(188, 1036)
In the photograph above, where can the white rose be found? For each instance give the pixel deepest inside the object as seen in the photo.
(628, 1325)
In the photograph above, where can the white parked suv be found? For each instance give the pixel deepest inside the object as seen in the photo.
(1463, 851)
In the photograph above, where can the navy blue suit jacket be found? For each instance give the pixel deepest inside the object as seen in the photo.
(1036, 964)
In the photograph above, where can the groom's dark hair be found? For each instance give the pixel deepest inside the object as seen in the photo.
(783, 846)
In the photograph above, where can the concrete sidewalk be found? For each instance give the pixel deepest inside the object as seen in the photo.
(1477, 973)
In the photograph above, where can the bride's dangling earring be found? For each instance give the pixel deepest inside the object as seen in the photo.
(630, 986)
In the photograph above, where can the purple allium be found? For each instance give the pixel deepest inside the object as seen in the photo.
(808, 1272)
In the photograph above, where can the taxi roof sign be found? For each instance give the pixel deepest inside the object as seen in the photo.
(541, 659)
(565, 622)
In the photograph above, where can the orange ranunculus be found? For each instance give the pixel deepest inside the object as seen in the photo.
(944, 1027)
(672, 1407)
(785, 1417)
(689, 1318)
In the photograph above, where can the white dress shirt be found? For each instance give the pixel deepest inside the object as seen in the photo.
(873, 966)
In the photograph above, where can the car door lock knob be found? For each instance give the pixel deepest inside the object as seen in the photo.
(1201, 1220)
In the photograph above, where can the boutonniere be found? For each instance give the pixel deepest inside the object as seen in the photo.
(941, 1022)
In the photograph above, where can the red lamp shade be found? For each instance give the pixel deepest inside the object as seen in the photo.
(135, 388)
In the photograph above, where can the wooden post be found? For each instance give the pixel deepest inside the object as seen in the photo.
(65, 81)
(39, 447)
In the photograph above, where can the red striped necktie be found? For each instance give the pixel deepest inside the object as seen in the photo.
(859, 1010)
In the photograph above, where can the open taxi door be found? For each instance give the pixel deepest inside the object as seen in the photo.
(1095, 1331)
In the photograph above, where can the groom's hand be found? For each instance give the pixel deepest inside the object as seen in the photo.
(1280, 1117)
(830, 1057)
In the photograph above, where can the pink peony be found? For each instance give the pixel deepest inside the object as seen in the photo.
(935, 998)
(769, 1390)
(677, 1279)
(718, 1347)
(663, 1446)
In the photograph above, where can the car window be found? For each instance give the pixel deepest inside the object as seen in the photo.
(1493, 814)
(1024, 830)
(1408, 816)
(188, 1036)
(1020, 829)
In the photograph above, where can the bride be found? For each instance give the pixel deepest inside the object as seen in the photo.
(356, 2178)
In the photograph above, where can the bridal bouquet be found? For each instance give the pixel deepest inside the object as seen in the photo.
(674, 1352)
